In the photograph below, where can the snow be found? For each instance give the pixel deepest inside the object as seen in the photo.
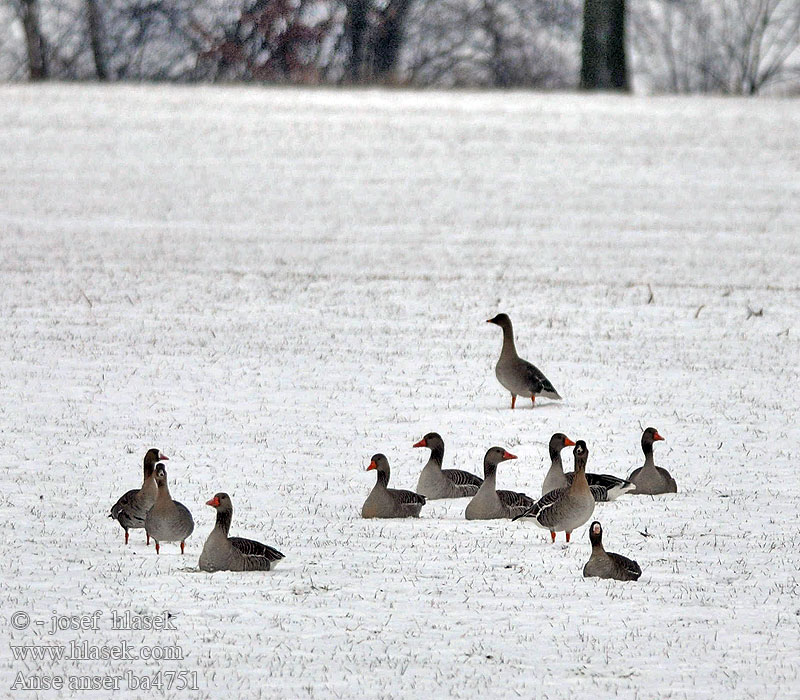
(272, 285)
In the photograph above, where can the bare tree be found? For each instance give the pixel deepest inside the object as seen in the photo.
(603, 62)
(94, 23)
(29, 14)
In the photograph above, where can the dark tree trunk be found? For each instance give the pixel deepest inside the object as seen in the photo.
(34, 40)
(357, 25)
(603, 65)
(95, 23)
(389, 39)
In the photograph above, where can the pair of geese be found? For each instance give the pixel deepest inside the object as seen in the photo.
(152, 508)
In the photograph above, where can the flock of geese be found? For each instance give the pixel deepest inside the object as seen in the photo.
(567, 500)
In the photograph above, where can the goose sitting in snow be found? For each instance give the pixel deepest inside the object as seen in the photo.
(223, 553)
(604, 564)
(435, 482)
(489, 503)
(650, 479)
(384, 502)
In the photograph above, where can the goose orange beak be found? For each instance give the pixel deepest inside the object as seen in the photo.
(657, 436)
(568, 442)
(421, 443)
(213, 502)
(163, 457)
(508, 455)
(372, 465)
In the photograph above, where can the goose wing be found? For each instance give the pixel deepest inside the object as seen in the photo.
(251, 548)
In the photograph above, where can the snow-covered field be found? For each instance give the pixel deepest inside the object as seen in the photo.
(272, 285)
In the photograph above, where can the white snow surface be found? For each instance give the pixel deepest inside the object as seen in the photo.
(271, 285)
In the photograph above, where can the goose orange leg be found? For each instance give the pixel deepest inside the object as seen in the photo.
(568, 534)
(126, 537)
(513, 400)
(148, 539)
(181, 546)
(533, 400)
(553, 535)
(158, 549)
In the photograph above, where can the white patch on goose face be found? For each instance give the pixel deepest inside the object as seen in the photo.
(596, 529)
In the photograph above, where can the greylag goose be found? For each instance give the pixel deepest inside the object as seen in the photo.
(650, 479)
(223, 553)
(566, 508)
(435, 482)
(167, 520)
(604, 564)
(384, 502)
(489, 503)
(519, 376)
(604, 487)
(131, 508)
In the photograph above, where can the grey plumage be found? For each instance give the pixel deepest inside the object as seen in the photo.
(223, 553)
(489, 503)
(604, 564)
(519, 376)
(167, 520)
(384, 502)
(650, 479)
(435, 482)
(132, 507)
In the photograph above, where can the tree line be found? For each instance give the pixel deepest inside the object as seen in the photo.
(682, 46)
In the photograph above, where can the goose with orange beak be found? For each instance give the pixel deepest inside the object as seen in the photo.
(489, 503)
(223, 553)
(384, 502)
(650, 479)
(435, 482)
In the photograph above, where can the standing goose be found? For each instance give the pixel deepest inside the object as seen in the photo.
(604, 564)
(435, 482)
(130, 510)
(650, 479)
(223, 553)
(384, 502)
(604, 487)
(489, 503)
(566, 508)
(519, 376)
(168, 520)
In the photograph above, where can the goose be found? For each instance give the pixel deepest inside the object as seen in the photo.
(650, 479)
(519, 376)
(604, 487)
(131, 508)
(435, 482)
(489, 503)
(566, 508)
(384, 502)
(604, 564)
(167, 520)
(223, 553)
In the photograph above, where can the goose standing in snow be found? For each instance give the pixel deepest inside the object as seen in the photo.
(435, 482)
(384, 502)
(131, 508)
(489, 503)
(566, 508)
(167, 520)
(223, 553)
(604, 487)
(604, 564)
(519, 376)
(650, 479)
